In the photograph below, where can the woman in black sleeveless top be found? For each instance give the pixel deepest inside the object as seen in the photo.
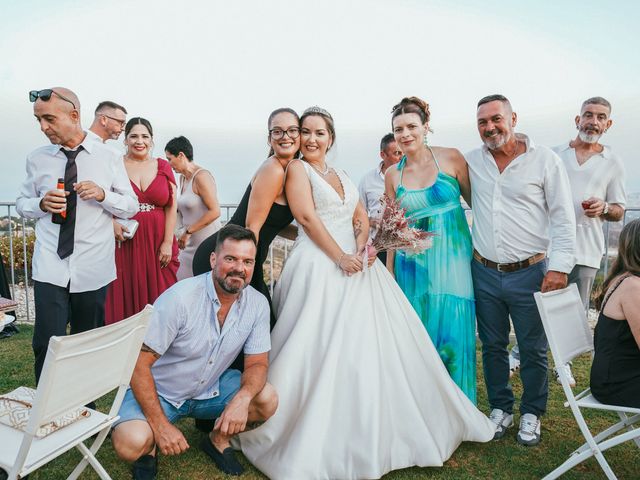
(615, 372)
(263, 208)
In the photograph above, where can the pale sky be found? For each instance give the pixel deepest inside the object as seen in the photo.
(214, 70)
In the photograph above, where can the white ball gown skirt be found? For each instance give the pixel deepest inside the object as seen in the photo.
(362, 389)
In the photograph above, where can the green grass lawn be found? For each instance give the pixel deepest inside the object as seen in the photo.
(503, 459)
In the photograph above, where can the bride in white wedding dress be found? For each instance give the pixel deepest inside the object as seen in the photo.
(362, 389)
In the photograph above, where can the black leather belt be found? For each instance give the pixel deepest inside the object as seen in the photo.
(509, 267)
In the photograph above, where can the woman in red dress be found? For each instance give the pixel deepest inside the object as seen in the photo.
(147, 263)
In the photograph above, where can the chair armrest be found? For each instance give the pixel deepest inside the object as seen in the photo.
(582, 394)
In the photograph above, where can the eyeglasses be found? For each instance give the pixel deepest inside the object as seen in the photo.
(120, 122)
(278, 133)
(45, 95)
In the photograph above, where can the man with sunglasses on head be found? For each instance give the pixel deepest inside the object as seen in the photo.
(108, 122)
(73, 260)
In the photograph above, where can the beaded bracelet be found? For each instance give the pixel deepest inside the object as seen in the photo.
(340, 260)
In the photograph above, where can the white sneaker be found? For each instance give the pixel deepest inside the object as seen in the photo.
(566, 368)
(514, 361)
(502, 419)
(529, 434)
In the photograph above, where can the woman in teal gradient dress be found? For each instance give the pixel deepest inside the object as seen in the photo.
(428, 182)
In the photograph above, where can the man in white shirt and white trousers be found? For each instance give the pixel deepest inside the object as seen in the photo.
(596, 175)
(522, 208)
(73, 262)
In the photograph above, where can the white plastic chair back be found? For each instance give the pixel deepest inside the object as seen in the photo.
(82, 367)
(565, 323)
(569, 335)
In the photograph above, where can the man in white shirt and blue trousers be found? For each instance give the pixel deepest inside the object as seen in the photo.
(522, 208)
(74, 258)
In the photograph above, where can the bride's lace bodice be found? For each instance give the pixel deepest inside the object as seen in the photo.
(336, 214)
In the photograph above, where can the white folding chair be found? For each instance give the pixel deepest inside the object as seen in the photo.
(569, 335)
(77, 370)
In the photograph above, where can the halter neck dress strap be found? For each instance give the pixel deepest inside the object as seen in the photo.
(434, 158)
(401, 164)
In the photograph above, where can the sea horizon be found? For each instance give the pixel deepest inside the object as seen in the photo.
(234, 156)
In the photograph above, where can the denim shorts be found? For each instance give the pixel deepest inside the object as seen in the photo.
(204, 409)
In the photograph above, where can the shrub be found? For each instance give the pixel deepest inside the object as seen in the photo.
(18, 253)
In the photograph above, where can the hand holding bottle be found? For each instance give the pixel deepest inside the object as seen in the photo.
(55, 202)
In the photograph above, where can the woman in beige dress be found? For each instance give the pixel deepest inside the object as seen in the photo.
(198, 205)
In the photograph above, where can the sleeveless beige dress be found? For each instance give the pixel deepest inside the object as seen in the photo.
(190, 209)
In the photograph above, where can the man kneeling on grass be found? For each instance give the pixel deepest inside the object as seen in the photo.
(198, 327)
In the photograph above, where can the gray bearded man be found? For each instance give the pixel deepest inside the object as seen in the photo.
(596, 175)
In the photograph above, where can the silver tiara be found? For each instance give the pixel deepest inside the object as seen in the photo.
(316, 109)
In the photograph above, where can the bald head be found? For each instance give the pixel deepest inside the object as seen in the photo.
(69, 95)
(59, 117)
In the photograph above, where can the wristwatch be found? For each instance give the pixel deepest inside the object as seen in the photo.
(606, 209)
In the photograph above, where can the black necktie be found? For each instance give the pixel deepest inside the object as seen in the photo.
(65, 240)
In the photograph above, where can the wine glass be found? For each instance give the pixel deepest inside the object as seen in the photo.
(586, 204)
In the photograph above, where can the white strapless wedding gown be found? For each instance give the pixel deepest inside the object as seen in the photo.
(362, 389)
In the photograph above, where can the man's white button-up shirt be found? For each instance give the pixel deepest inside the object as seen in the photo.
(371, 188)
(525, 210)
(92, 264)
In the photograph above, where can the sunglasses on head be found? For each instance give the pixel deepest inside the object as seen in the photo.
(45, 95)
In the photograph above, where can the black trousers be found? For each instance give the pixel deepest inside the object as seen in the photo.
(55, 308)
